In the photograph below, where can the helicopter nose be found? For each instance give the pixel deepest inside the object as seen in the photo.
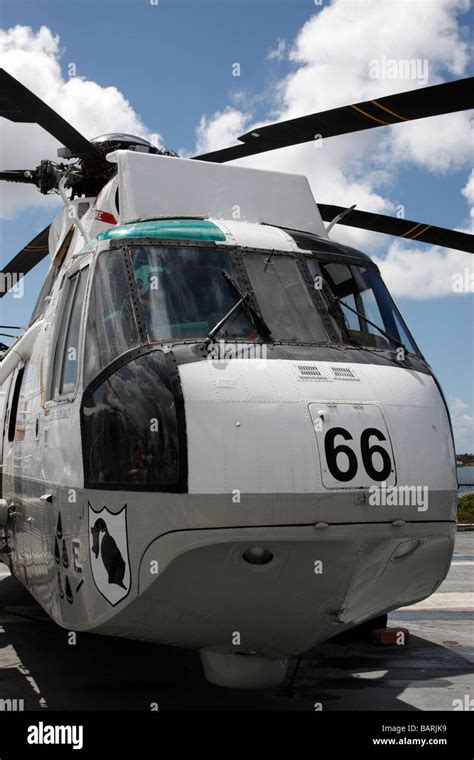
(260, 430)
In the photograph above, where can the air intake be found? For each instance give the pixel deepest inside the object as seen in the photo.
(309, 372)
(82, 207)
(343, 373)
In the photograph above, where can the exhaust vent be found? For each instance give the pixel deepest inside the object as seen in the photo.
(82, 207)
(344, 373)
(310, 372)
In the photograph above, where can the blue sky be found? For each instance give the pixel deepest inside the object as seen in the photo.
(172, 62)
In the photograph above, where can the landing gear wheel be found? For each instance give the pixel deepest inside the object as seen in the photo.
(243, 671)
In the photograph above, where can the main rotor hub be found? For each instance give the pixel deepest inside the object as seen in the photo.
(91, 176)
(123, 141)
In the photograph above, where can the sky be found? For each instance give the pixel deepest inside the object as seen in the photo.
(166, 70)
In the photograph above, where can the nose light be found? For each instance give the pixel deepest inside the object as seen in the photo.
(257, 555)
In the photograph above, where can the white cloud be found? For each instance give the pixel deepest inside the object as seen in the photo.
(463, 424)
(414, 273)
(278, 52)
(332, 54)
(221, 130)
(35, 60)
(468, 192)
(468, 189)
(443, 144)
(331, 58)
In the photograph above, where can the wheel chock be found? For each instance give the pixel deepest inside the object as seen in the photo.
(391, 636)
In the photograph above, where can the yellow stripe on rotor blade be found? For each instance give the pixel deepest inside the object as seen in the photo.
(408, 232)
(364, 113)
(392, 113)
(420, 232)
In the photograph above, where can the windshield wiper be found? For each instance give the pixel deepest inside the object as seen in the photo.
(212, 333)
(387, 335)
(252, 312)
(342, 322)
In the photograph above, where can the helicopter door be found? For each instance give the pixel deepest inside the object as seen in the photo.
(19, 556)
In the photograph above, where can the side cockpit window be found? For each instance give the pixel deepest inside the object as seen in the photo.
(14, 404)
(360, 305)
(66, 355)
(111, 327)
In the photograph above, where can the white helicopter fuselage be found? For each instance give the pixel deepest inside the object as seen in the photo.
(278, 530)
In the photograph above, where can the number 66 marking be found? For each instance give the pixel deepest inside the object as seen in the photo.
(367, 451)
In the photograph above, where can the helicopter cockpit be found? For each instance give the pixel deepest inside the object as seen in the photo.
(163, 294)
(150, 300)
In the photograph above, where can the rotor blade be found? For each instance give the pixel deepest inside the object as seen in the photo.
(20, 175)
(25, 261)
(393, 109)
(19, 104)
(403, 228)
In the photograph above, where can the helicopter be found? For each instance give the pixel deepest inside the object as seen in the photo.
(217, 431)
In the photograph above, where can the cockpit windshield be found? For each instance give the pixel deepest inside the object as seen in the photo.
(172, 293)
(184, 293)
(285, 301)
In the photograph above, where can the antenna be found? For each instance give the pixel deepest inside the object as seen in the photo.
(340, 216)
